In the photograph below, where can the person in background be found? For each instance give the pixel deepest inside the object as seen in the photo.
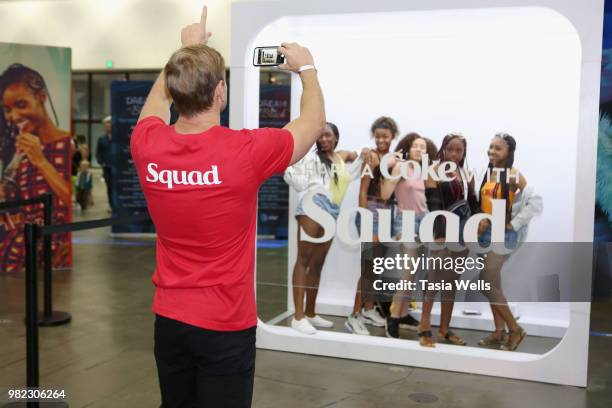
(84, 186)
(73, 143)
(103, 152)
(80, 152)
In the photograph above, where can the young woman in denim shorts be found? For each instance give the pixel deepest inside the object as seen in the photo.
(384, 130)
(324, 168)
(500, 186)
(409, 191)
(446, 195)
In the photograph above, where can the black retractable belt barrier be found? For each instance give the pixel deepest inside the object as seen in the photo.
(49, 317)
(32, 233)
(85, 225)
(32, 374)
(9, 205)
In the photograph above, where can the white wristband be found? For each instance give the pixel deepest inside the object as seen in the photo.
(305, 68)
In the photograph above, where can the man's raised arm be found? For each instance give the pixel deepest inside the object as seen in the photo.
(307, 127)
(158, 101)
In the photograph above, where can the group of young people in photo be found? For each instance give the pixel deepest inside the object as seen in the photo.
(458, 195)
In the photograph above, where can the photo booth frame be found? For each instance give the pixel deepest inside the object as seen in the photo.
(564, 364)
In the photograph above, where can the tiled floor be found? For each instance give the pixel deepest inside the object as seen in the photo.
(104, 357)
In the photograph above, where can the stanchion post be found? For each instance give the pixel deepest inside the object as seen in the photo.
(30, 232)
(48, 217)
(49, 317)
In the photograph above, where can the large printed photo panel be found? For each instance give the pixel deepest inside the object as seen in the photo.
(35, 146)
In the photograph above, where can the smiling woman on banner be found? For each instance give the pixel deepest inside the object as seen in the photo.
(40, 163)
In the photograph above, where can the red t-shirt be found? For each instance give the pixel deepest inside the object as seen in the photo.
(201, 192)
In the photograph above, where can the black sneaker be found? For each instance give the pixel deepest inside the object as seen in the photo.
(392, 327)
(408, 322)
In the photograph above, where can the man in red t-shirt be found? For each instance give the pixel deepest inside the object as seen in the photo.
(200, 181)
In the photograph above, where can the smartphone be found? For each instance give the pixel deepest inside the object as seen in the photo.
(267, 57)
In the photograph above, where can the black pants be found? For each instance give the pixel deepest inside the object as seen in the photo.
(107, 173)
(204, 368)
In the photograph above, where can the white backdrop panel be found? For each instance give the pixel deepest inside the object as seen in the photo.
(440, 71)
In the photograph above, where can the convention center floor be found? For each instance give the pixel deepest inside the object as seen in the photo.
(104, 357)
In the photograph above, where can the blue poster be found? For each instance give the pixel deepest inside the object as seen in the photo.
(127, 99)
(273, 197)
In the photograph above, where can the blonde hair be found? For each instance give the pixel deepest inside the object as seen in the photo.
(192, 74)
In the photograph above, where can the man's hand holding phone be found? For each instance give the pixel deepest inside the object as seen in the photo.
(296, 56)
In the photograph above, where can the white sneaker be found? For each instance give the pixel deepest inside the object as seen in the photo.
(318, 321)
(303, 326)
(372, 317)
(355, 326)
